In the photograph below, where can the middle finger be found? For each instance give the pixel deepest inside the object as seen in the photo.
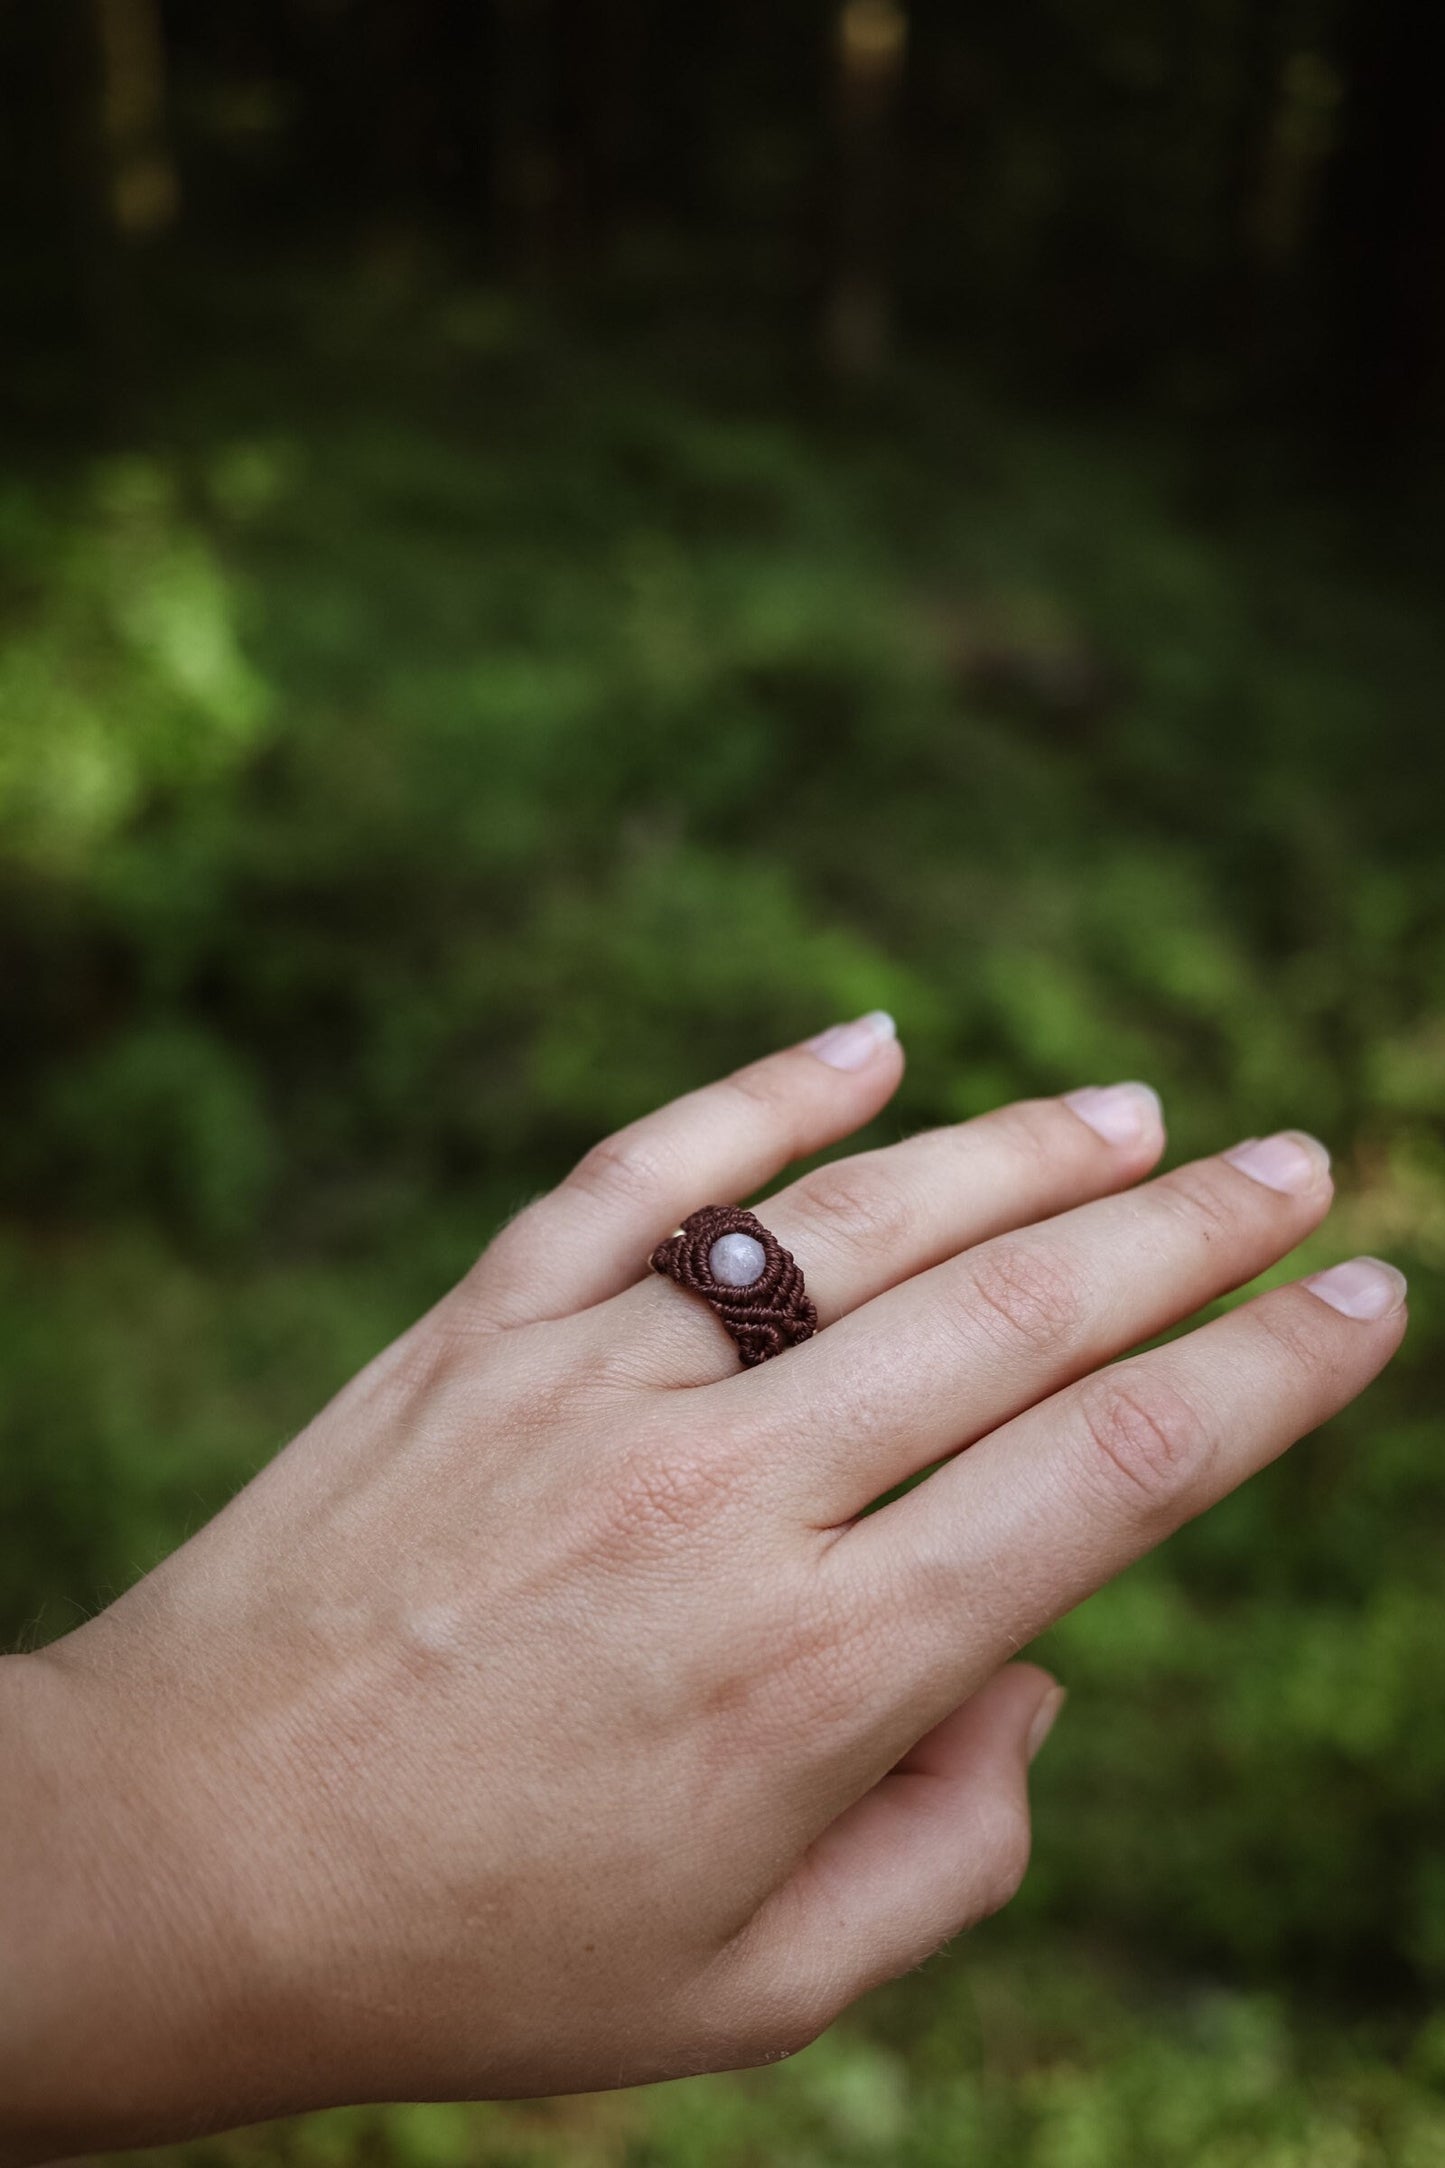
(933, 1365)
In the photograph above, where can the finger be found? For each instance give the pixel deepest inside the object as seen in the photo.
(933, 1365)
(937, 1845)
(592, 1234)
(1005, 1538)
(860, 1225)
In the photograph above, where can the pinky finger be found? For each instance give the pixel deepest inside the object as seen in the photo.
(1047, 1509)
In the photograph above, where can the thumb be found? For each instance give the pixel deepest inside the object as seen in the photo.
(938, 1844)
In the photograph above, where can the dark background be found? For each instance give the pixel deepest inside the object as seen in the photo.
(548, 547)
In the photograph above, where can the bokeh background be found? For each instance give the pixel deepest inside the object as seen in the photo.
(549, 546)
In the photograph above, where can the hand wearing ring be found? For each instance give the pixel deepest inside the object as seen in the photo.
(563, 1708)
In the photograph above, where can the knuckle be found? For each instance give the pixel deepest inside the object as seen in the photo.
(1035, 1128)
(1287, 1330)
(619, 1170)
(849, 1199)
(1005, 1842)
(1200, 1196)
(1031, 1295)
(545, 1398)
(1145, 1435)
(825, 1671)
(827, 1687)
(423, 1366)
(512, 1238)
(765, 1086)
(658, 1496)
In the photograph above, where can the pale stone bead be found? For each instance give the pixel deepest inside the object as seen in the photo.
(736, 1260)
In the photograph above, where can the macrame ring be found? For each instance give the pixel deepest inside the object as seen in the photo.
(765, 1307)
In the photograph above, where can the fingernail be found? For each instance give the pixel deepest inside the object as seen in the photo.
(1044, 1718)
(1293, 1161)
(1120, 1113)
(852, 1046)
(1366, 1287)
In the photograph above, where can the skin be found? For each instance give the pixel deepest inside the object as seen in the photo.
(545, 1717)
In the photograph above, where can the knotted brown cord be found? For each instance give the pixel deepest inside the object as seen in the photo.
(773, 1313)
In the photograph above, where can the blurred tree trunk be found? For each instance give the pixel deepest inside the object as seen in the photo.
(51, 173)
(142, 191)
(119, 177)
(601, 47)
(528, 171)
(406, 76)
(1276, 158)
(1251, 235)
(870, 42)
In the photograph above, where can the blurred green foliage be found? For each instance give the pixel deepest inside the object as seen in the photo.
(421, 754)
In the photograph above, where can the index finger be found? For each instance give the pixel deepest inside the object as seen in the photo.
(591, 1235)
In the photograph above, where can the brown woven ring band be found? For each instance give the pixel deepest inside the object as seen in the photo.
(729, 1258)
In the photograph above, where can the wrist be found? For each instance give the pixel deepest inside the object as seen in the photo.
(122, 1974)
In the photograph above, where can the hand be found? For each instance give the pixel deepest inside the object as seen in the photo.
(546, 1716)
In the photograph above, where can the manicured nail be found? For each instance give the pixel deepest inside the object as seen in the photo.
(852, 1046)
(1119, 1113)
(1044, 1718)
(1366, 1287)
(1293, 1161)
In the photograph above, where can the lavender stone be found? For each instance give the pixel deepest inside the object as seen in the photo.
(736, 1260)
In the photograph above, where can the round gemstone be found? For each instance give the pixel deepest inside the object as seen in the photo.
(736, 1260)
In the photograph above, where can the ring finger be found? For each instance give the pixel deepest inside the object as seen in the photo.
(860, 1225)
